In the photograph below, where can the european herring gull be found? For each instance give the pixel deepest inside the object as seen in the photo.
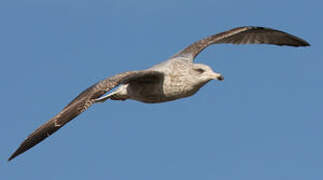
(175, 78)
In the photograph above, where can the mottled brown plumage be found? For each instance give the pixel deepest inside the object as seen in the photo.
(244, 35)
(175, 78)
(81, 103)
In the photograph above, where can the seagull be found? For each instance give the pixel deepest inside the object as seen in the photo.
(175, 78)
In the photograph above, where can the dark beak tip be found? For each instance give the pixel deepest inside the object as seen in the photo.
(221, 78)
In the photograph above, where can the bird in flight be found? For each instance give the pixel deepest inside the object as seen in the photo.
(175, 78)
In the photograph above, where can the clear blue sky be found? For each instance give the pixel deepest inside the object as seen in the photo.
(263, 122)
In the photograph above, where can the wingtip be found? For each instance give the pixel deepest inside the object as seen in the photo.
(307, 44)
(21, 149)
(15, 154)
(303, 43)
(300, 43)
(10, 158)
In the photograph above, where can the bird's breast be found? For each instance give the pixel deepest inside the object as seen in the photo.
(177, 86)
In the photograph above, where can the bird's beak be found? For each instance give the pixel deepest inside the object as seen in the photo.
(217, 76)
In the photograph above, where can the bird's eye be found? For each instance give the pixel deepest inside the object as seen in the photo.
(199, 70)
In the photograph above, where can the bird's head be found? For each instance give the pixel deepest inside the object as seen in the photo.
(204, 73)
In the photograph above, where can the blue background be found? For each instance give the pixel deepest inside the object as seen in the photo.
(263, 122)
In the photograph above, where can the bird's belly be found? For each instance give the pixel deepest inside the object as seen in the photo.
(176, 91)
(145, 92)
(159, 92)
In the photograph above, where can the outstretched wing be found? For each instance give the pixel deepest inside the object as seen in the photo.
(78, 105)
(243, 35)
